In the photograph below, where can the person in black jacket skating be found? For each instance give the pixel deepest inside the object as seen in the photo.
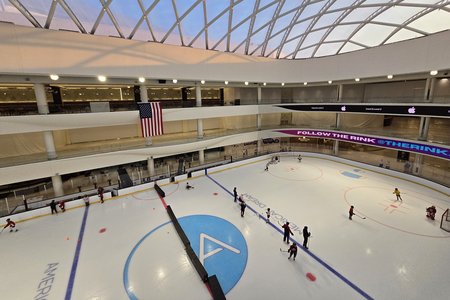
(287, 232)
(53, 207)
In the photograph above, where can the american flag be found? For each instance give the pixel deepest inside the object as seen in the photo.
(151, 118)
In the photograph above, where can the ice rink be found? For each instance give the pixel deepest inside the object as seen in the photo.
(127, 248)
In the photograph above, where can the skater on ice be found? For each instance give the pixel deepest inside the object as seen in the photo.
(10, 224)
(431, 212)
(350, 212)
(287, 232)
(268, 215)
(188, 186)
(306, 236)
(53, 207)
(397, 194)
(292, 250)
(243, 206)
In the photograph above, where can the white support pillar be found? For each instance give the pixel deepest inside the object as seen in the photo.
(259, 116)
(259, 147)
(143, 92)
(427, 89)
(340, 90)
(42, 105)
(417, 166)
(424, 127)
(432, 85)
(57, 185)
(336, 147)
(41, 98)
(151, 166)
(198, 103)
(49, 145)
(201, 156)
(338, 121)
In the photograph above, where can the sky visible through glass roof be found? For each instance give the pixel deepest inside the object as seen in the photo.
(291, 29)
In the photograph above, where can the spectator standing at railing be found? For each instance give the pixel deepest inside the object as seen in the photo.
(86, 200)
(100, 191)
(53, 207)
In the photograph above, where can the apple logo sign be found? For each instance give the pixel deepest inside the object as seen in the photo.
(343, 108)
(412, 110)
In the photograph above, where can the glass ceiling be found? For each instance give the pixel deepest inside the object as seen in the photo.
(291, 29)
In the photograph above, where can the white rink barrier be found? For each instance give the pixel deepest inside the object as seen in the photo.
(46, 210)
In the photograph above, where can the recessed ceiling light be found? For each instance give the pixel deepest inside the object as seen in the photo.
(246, 83)
(141, 79)
(390, 76)
(101, 78)
(202, 82)
(226, 82)
(357, 79)
(282, 84)
(434, 72)
(330, 81)
(305, 83)
(264, 84)
(174, 80)
(54, 77)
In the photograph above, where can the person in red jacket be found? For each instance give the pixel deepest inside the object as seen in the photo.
(292, 251)
(10, 224)
(62, 205)
(287, 232)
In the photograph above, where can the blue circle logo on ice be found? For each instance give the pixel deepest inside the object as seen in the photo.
(219, 245)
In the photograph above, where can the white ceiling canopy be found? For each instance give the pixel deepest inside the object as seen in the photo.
(285, 29)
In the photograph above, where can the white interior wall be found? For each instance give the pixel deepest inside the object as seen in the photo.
(27, 50)
(361, 121)
(315, 94)
(441, 92)
(313, 119)
(270, 95)
(402, 91)
(102, 133)
(353, 93)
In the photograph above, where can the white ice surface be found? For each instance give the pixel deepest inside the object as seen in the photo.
(395, 253)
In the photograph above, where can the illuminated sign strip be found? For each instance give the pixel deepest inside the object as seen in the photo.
(385, 109)
(401, 145)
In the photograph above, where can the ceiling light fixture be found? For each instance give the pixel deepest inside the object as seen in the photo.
(174, 80)
(141, 79)
(357, 79)
(390, 76)
(264, 84)
(330, 81)
(226, 82)
(246, 83)
(433, 73)
(54, 77)
(202, 82)
(305, 83)
(101, 78)
(282, 84)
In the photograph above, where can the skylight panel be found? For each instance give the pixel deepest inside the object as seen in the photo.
(242, 11)
(360, 14)
(306, 53)
(349, 47)
(312, 10)
(217, 29)
(328, 49)
(313, 38)
(372, 35)
(398, 14)
(127, 20)
(341, 32)
(290, 4)
(192, 24)
(162, 17)
(86, 12)
(327, 19)
(239, 34)
(403, 34)
(265, 16)
(283, 22)
(434, 21)
(214, 8)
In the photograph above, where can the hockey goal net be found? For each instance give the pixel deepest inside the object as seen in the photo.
(445, 221)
